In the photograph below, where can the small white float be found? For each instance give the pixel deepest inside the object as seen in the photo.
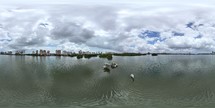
(132, 77)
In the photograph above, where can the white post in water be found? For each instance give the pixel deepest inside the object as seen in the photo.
(132, 77)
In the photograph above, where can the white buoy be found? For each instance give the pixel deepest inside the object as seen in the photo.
(132, 76)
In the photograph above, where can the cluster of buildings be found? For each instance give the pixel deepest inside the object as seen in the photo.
(20, 52)
(58, 52)
(41, 52)
(66, 53)
(47, 53)
(6, 53)
(88, 52)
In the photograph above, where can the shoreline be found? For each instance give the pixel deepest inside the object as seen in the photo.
(107, 56)
(114, 54)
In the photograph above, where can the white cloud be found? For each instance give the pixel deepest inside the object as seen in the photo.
(108, 27)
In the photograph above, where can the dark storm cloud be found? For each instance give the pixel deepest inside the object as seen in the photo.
(111, 43)
(26, 41)
(71, 31)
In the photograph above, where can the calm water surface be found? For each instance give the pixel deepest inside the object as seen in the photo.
(160, 82)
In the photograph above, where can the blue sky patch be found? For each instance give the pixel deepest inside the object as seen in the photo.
(152, 42)
(177, 33)
(154, 35)
(201, 25)
(193, 26)
(190, 25)
(149, 34)
(199, 36)
(52, 45)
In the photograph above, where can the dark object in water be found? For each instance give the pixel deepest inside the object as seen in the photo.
(154, 54)
(114, 65)
(108, 66)
(108, 56)
(128, 54)
(79, 56)
(106, 70)
(90, 55)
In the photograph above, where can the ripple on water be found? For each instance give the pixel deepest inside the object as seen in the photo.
(159, 82)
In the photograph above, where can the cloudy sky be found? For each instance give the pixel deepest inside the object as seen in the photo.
(112, 25)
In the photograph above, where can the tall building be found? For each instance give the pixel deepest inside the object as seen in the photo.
(65, 53)
(41, 52)
(20, 52)
(80, 52)
(36, 52)
(10, 52)
(58, 52)
(44, 52)
(48, 53)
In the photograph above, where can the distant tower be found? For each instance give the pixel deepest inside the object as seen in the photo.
(65, 53)
(10, 52)
(41, 52)
(48, 53)
(58, 52)
(80, 52)
(44, 52)
(36, 52)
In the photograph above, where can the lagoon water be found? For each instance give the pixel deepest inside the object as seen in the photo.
(160, 82)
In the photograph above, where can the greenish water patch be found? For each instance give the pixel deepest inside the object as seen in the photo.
(160, 81)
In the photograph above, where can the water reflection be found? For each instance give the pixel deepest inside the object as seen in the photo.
(65, 81)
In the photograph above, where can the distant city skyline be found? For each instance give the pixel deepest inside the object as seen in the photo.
(116, 26)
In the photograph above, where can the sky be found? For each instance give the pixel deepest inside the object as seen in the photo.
(111, 25)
